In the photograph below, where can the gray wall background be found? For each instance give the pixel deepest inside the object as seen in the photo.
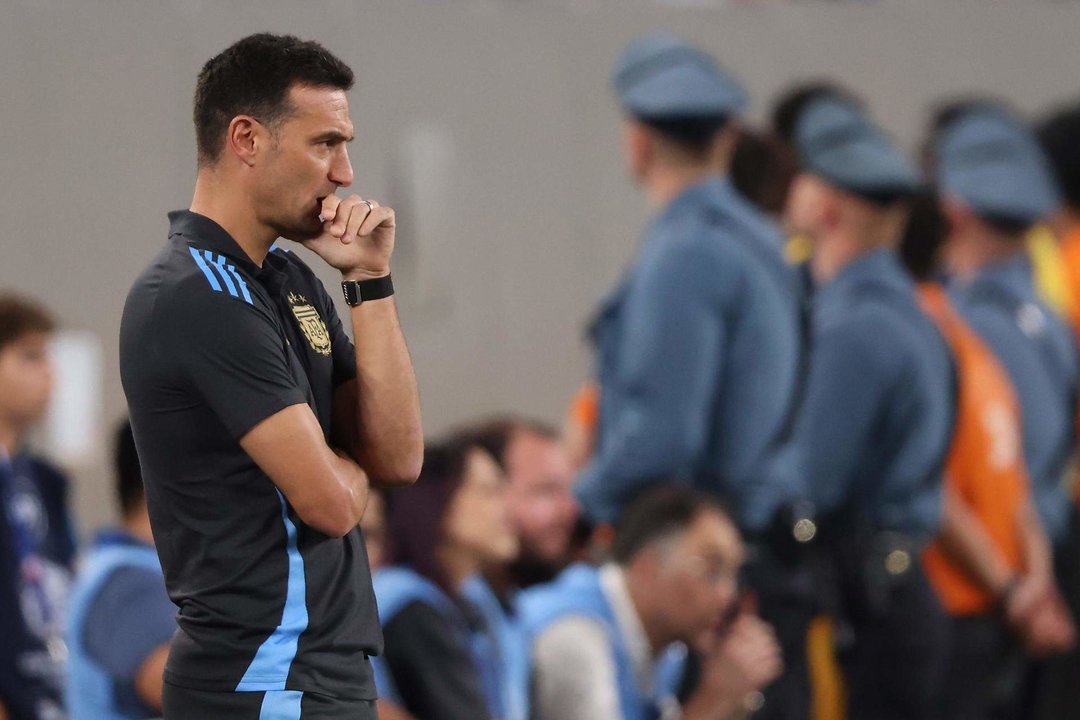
(488, 124)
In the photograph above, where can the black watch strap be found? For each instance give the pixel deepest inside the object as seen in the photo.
(358, 291)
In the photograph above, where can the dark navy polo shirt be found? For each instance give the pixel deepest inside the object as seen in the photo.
(211, 345)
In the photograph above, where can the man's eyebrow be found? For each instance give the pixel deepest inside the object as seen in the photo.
(334, 136)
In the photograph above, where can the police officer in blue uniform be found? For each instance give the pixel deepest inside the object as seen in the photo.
(996, 183)
(879, 408)
(698, 349)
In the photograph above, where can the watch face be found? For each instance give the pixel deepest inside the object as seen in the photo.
(352, 293)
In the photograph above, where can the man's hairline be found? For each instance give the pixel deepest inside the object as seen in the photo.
(288, 110)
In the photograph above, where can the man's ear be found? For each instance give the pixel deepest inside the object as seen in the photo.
(832, 209)
(958, 215)
(245, 138)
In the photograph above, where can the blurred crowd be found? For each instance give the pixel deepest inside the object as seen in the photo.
(824, 466)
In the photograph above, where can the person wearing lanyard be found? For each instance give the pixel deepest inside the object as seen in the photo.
(36, 541)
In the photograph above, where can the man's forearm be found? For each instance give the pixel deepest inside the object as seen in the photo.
(964, 539)
(389, 431)
(1036, 545)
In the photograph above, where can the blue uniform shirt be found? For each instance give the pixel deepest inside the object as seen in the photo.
(698, 356)
(1039, 352)
(36, 552)
(122, 614)
(879, 409)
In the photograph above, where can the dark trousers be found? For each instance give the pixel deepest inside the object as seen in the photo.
(898, 648)
(787, 600)
(187, 704)
(985, 671)
(1055, 684)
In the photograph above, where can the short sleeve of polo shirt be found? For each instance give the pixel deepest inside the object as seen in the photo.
(232, 353)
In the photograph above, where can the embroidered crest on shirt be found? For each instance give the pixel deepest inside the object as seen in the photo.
(312, 325)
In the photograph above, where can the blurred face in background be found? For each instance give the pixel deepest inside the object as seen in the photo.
(541, 506)
(477, 521)
(807, 204)
(697, 576)
(26, 380)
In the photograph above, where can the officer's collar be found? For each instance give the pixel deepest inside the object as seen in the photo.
(1013, 272)
(697, 193)
(880, 264)
(210, 236)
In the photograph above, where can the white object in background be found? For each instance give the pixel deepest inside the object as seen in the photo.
(425, 168)
(73, 425)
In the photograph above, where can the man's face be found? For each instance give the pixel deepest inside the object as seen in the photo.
(26, 379)
(636, 148)
(306, 161)
(804, 205)
(542, 507)
(699, 577)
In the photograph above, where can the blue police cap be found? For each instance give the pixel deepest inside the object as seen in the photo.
(992, 161)
(837, 141)
(660, 76)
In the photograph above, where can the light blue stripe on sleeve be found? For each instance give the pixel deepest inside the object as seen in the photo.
(240, 281)
(281, 705)
(270, 667)
(205, 269)
(219, 263)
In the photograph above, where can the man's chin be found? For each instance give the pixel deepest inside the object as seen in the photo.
(301, 234)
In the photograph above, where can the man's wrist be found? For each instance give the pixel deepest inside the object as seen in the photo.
(358, 292)
(1006, 590)
(362, 274)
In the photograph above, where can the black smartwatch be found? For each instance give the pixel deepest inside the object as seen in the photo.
(358, 291)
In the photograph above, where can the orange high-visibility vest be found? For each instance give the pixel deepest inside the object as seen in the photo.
(986, 461)
(1070, 262)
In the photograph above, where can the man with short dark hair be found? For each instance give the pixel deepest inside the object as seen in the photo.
(260, 427)
(609, 642)
(121, 619)
(36, 540)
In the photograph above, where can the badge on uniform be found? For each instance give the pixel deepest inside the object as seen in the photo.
(313, 326)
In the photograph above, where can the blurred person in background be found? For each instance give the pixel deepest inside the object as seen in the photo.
(1060, 138)
(121, 618)
(762, 168)
(608, 643)
(991, 563)
(446, 656)
(995, 183)
(1059, 135)
(878, 415)
(37, 544)
(539, 498)
(699, 347)
(782, 123)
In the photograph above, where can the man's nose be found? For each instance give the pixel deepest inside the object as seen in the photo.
(341, 172)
